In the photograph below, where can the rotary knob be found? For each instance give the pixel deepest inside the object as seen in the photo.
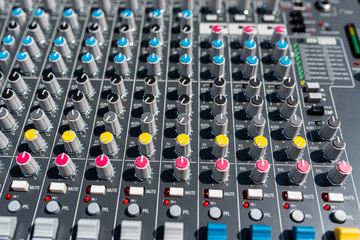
(185, 67)
(183, 124)
(157, 32)
(80, 103)
(220, 125)
(185, 47)
(330, 128)
(104, 168)
(185, 86)
(183, 147)
(4, 60)
(71, 18)
(62, 46)
(31, 46)
(287, 88)
(36, 32)
(14, 29)
(258, 147)
(221, 146)
(120, 64)
(112, 123)
(40, 120)
(108, 143)
(92, 46)
(281, 50)
(126, 32)
(186, 32)
(218, 86)
(292, 127)
(71, 142)
(247, 34)
(184, 104)
(255, 106)
(76, 121)
(148, 123)
(299, 173)
(17, 83)
(157, 18)
(57, 63)
(149, 103)
(217, 48)
(289, 107)
(42, 17)
(257, 126)
(155, 47)
(99, 17)
(279, 34)
(19, 15)
(282, 69)
(123, 46)
(153, 65)
(46, 101)
(96, 31)
(65, 165)
(218, 66)
(251, 66)
(115, 103)
(249, 49)
(9, 43)
(339, 173)
(117, 85)
(221, 170)
(296, 148)
(151, 85)
(27, 164)
(219, 105)
(84, 84)
(7, 121)
(186, 17)
(11, 100)
(260, 172)
(216, 33)
(182, 169)
(334, 148)
(253, 88)
(66, 32)
(142, 168)
(34, 140)
(25, 63)
(4, 142)
(146, 144)
(89, 64)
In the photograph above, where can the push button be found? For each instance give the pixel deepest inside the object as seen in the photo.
(260, 232)
(347, 233)
(303, 233)
(216, 231)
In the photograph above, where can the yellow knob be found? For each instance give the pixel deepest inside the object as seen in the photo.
(145, 138)
(68, 136)
(222, 140)
(183, 139)
(31, 134)
(260, 141)
(106, 137)
(300, 142)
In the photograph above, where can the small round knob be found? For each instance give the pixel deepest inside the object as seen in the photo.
(71, 18)
(247, 34)
(339, 173)
(334, 148)
(53, 207)
(65, 165)
(96, 32)
(286, 89)
(117, 85)
(292, 127)
(99, 17)
(11, 100)
(84, 84)
(149, 103)
(34, 140)
(66, 32)
(133, 210)
(281, 50)
(258, 147)
(330, 128)
(182, 169)
(157, 18)
(120, 64)
(62, 46)
(148, 124)
(127, 33)
(153, 65)
(221, 170)
(146, 144)
(89, 64)
(220, 125)
(71, 142)
(183, 123)
(283, 67)
(184, 104)
(58, 65)
(251, 66)
(27, 164)
(185, 86)
(257, 126)
(104, 168)
(155, 47)
(279, 34)
(7, 121)
(217, 48)
(25, 62)
(219, 105)
(183, 146)
(127, 17)
(142, 168)
(253, 88)
(221, 146)
(36, 32)
(46, 101)
(42, 18)
(112, 123)
(185, 47)
(108, 143)
(31, 46)
(93, 209)
(17, 83)
(151, 85)
(40, 120)
(255, 106)
(185, 67)
(123, 46)
(93, 47)
(218, 66)
(299, 173)
(248, 49)
(296, 148)
(218, 86)
(260, 172)
(76, 121)
(289, 107)
(19, 15)
(80, 103)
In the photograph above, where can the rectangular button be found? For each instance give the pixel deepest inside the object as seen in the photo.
(214, 193)
(293, 196)
(253, 194)
(312, 87)
(211, 17)
(7, 227)
(96, 189)
(19, 186)
(130, 230)
(335, 197)
(174, 192)
(314, 97)
(268, 18)
(45, 228)
(56, 187)
(239, 17)
(173, 231)
(136, 191)
(88, 229)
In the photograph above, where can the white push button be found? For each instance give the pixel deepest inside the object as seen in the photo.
(7, 227)
(88, 229)
(131, 230)
(97, 189)
(19, 186)
(173, 231)
(56, 187)
(45, 228)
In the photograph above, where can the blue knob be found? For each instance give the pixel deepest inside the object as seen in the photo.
(59, 41)
(156, 13)
(250, 44)
(4, 54)
(185, 42)
(303, 233)
(119, 58)
(97, 13)
(127, 13)
(185, 58)
(216, 231)
(186, 13)
(8, 39)
(54, 56)
(153, 58)
(218, 43)
(219, 59)
(17, 11)
(27, 40)
(154, 42)
(90, 41)
(122, 42)
(87, 57)
(252, 60)
(285, 61)
(260, 232)
(21, 56)
(68, 12)
(38, 12)
(282, 44)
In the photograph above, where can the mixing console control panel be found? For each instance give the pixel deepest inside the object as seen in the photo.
(179, 119)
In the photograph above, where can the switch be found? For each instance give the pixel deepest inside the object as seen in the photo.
(7, 227)
(96, 189)
(253, 194)
(303, 233)
(88, 229)
(19, 186)
(214, 193)
(135, 191)
(260, 232)
(173, 231)
(174, 192)
(347, 233)
(130, 230)
(45, 228)
(57, 187)
(216, 231)
(296, 196)
(260, 171)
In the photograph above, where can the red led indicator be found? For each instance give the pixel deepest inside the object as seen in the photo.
(86, 199)
(166, 202)
(327, 207)
(356, 63)
(286, 205)
(246, 204)
(47, 198)
(8, 196)
(320, 24)
(205, 203)
(126, 201)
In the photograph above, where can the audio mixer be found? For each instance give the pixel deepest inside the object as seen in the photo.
(179, 119)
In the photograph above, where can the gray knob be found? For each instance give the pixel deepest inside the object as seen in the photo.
(153, 65)
(93, 48)
(132, 5)
(220, 125)
(160, 4)
(124, 47)
(286, 89)
(182, 169)
(186, 32)
(46, 101)
(183, 146)
(4, 60)
(127, 33)
(283, 67)
(272, 6)
(186, 17)
(11, 100)
(80, 103)
(42, 17)
(151, 85)
(27, 164)
(9, 43)
(31, 46)
(216, 6)
(289, 107)
(19, 15)
(112, 123)
(25, 63)
(120, 64)
(149, 103)
(220, 146)
(64, 164)
(62, 46)
(299, 173)
(188, 4)
(51, 83)
(84, 84)
(7, 121)
(40, 120)
(185, 86)
(339, 173)
(255, 106)
(251, 66)
(278, 34)
(221, 170)
(17, 83)
(96, 31)
(183, 124)
(53, 207)
(27, 5)
(330, 128)
(57, 63)
(99, 17)
(217, 47)
(142, 168)
(185, 67)
(105, 5)
(89, 64)
(248, 50)
(184, 104)
(71, 18)
(257, 126)
(148, 124)
(14, 29)
(253, 88)
(156, 31)
(4, 141)
(244, 6)
(280, 50)
(247, 34)
(218, 86)
(333, 149)
(76, 121)
(117, 85)
(296, 148)
(258, 147)
(115, 103)
(219, 105)
(50, 5)
(36, 32)
(157, 18)
(185, 47)
(146, 144)
(71, 142)
(218, 66)
(292, 127)
(34, 140)
(66, 32)
(104, 168)
(108, 143)
(260, 172)
(128, 18)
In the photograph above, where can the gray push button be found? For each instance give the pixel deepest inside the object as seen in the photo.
(133, 210)
(45, 228)
(7, 227)
(255, 214)
(131, 230)
(14, 206)
(93, 209)
(52, 207)
(215, 213)
(338, 216)
(175, 211)
(173, 231)
(297, 216)
(88, 229)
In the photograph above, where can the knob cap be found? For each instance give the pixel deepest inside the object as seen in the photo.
(62, 46)
(219, 105)
(286, 89)
(186, 31)
(185, 86)
(282, 69)
(279, 34)
(117, 85)
(289, 107)
(46, 101)
(51, 83)
(25, 63)
(255, 106)
(249, 49)
(7, 121)
(42, 17)
(186, 17)
(221, 170)
(257, 126)
(247, 34)
(217, 47)
(80, 103)
(299, 173)
(115, 103)
(146, 144)
(17, 83)
(76, 121)
(184, 104)
(185, 67)
(183, 123)
(34, 140)
(27, 164)
(157, 18)
(149, 103)
(258, 147)
(19, 15)
(296, 148)
(9, 43)
(260, 172)
(148, 123)
(89, 64)
(127, 33)
(142, 168)
(84, 84)
(281, 50)
(221, 146)
(153, 65)
(65, 165)
(216, 33)
(40, 120)
(220, 125)
(108, 143)
(183, 147)
(292, 127)
(99, 17)
(71, 18)
(218, 66)
(4, 141)
(93, 48)
(123, 46)
(71, 142)
(151, 85)
(182, 169)
(66, 32)
(218, 86)
(112, 123)
(31, 46)
(4, 60)
(251, 66)
(11, 100)
(120, 64)
(185, 47)
(57, 63)
(330, 128)
(156, 31)
(104, 168)
(333, 149)
(96, 32)
(155, 47)
(36, 32)
(339, 173)
(14, 29)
